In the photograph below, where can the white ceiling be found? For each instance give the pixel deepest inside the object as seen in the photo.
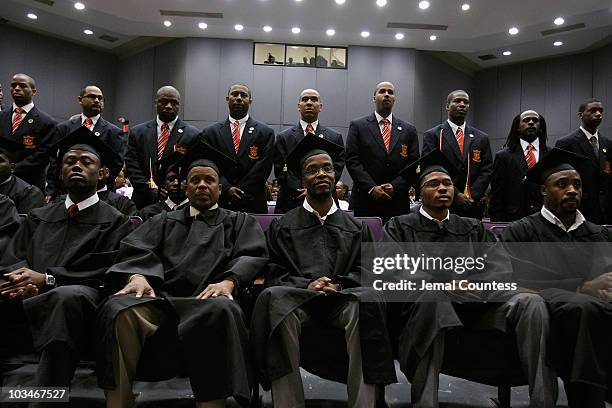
(481, 30)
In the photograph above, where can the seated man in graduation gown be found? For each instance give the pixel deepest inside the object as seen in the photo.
(121, 203)
(24, 195)
(172, 189)
(430, 314)
(314, 279)
(55, 264)
(573, 275)
(180, 272)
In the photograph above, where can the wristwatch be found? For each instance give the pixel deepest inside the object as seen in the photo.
(49, 280)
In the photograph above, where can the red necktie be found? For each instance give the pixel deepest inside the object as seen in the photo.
(18, 118)
(163, 140)
(88, 123)
(309, 128)
(460, 139)
(386, 134)
(236, 135)
(73, 210)
(530, 156)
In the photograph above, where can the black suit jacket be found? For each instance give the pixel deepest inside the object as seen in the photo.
(106, 131)
(512, 196)
(369, 164)
(476, 143)
(36, 134)
(141, 155)
(595, 174)
(253, 163)
(288, 181)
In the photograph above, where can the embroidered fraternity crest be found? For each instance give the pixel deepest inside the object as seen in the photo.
(476, 156)
(404, 152)
(607, 169)
(180, 149)
(28, 142)
(253, 152)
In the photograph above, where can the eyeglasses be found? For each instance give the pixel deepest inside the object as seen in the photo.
(313, 171)
(436, 183)
(92, 96)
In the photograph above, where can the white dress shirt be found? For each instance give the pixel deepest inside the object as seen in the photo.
(309, 208)
(26, 109)
(552, 218)
(242, 121)
(88, 202)
(536, 150)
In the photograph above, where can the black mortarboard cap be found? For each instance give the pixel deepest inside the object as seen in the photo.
(10, 147)
(309, 146)
(84, 139)
(432, 161)
(204, 155)
(554, 161)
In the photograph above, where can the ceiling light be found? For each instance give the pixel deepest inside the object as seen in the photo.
(465, 7)
(32, 16)
(513, 31)
(381, 3)
(203, 26)
(327, 48)
(298, 1)
(88, 32)
(330, 31)
(506, 53)
(267, 29)
(79, 6)
(559, 21)
(424, 5)
(340, 1)
(167, 23)
(558, 43)
(295, 47)
(365, 34)
(433, 37)
(295, 30)
(399, 36)
(238, 27)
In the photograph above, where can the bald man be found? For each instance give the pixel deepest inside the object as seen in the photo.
(378, 146)
(292, 193)
(26, 124)
(149, 142)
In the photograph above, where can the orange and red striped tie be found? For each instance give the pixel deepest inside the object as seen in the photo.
(530, 156)
(18, 118)
(236, 135)
(460, 139)
(163, 140)
(386, 134)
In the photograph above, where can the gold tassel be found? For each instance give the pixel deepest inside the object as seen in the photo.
(152, 184)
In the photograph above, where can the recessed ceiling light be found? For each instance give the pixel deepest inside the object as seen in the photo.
(423, 5)
(79, 6)
(506, 53)
(32, 16)
(559, 21)
(340, 1)
(465, 7)
(327, 48)
(238, 27)
(365, 34)
(330, 31)
(88, 32)
(513, 31)
(433, 37)
(295, 30)
(558, 43)
(295, 47)
(203, 26)
(399, 36)
(298, 1)
(381, 3)
(167, 23)
(267, 29)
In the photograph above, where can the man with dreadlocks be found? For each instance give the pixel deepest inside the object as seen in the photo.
(512, 195)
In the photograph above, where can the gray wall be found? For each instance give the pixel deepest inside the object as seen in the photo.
(60, 69)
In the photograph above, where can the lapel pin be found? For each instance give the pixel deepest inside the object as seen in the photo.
(30, 121)
(471, 135)
(180, 130)
(97, 133)
(604, 150)
(321, 135)
(399, 128)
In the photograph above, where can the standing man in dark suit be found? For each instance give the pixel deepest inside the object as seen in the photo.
(512, 195)
(251, 145)
(91, 101)
(595, 173)
(378, 146)
(151, 141)
(468, 149)
(292, 193)
(25, 124)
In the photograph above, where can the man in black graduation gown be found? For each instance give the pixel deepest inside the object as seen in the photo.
(430, 314)
(180, 272)
(512, 195)
(595, 173)
(120, 202)
(251, 144)
(291, 192)
(573, 275)
(314, 279)
(24, 195)
(9, 221)
(55, 264)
